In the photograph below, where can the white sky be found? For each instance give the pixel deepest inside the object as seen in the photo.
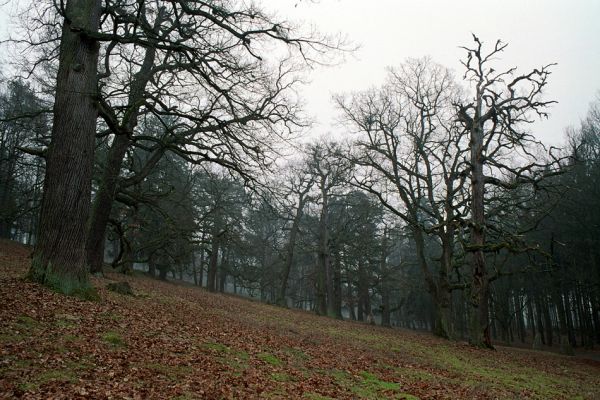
(389, 31)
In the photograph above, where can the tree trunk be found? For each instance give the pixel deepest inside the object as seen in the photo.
(110, 176)
(540, 324)
(479, 328)
(212, 265)
(443, 314)
(547, 321)
(337, 286)
(324, 278)
(223, 271)
(565, 344)
(530, 316)
(59, 258)
(194, 269)
(289, 257)
(103, 202)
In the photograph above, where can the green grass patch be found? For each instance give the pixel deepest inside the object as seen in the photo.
(13, 337)
(67, 321)
(297, 355)
(23, 328)
(218, 347)
(484, 373)
(114, 338)
(281, 377)
(270, 359)
(368, 386)
(63, 375)
(27, 323)
(236, 359)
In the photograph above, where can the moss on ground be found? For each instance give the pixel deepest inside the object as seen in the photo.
(237, 360)
(270, 359)
(368, 386)
(113, 338)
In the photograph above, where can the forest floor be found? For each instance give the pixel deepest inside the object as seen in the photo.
(179, 342)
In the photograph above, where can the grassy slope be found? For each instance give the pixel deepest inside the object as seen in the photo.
(180, 342)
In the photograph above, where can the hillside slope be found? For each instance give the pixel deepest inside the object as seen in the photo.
(173, 341)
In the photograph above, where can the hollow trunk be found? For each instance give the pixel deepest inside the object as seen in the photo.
(59, 258)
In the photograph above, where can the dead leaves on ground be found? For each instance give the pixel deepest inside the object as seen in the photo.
(179, 342)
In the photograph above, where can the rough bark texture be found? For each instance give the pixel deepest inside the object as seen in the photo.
(59, 259)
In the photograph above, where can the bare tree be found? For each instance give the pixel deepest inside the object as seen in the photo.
(201, 64)
(330, 171)
(410, 155)
(298, 184)
(198, 67)
(494, 118)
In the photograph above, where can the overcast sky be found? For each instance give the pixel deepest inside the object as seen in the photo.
(390, 31)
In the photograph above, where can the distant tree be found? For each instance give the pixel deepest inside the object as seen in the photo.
(331, 172)
(410, 155)
(23, 130)
(297, 186)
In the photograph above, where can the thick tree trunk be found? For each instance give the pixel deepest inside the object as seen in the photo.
(59, 258)
(443, 314)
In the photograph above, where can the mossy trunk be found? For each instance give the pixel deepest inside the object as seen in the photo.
(59, 259)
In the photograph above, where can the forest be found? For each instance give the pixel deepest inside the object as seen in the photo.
(169, 138)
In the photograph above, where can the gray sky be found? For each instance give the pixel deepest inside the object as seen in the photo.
(389, 31)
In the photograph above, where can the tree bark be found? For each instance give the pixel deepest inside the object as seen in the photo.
(110, 176)
(479, 327)
(59, 258)
(289, 257)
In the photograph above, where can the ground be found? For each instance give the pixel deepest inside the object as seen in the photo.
(179, 342)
